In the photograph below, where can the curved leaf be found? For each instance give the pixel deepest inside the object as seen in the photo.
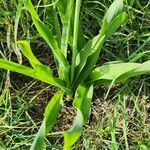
(42, 73)
(50, 116)
(90, 61)
(26, 50)
(116, 23)
(82, 103)
(118, 72)
(46, 33)
(114, 10)
(72, 135)
(83, 97)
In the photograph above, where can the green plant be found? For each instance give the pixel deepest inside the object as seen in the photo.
(76, 79)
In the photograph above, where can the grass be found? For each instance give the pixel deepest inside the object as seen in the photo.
(120, 121)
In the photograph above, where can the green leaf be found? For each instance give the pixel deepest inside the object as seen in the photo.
(83, 97)
(15, 67)
(38, 143)
(116, 23)
(66, 27)
(40, 72)
(88, 56)
(144, 68)
(50, 116)
(118, 72)
(85, 52)
(62, 6)
(46, 33)
(82, 103)
(72, 135)
(114, 10)
(52, 18)
(83, 71)
(26, 50)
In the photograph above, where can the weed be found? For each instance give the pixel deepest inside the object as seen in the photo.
(76, 78)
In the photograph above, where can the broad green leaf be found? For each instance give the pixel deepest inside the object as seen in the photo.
(87, 58)
(26, 50)
(15, 67)
(83, 73)
(114, 10)
(115, 72)
(52, 17)
(72, 135)
(46, 33)
(42, 73)
(82, 103)
(144, 68)
(50, 116)
(116, 23)
(85, 52)
(83, 97)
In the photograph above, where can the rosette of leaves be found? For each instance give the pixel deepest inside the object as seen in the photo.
(78, 77)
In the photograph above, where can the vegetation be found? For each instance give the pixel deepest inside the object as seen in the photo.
(75, 72)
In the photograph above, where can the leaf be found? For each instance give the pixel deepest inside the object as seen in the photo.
(72, 135)
(88, 56)
(26, 50)
(114, 10)
(83, 97)
(118, 72)
(50, 116)
(62, 7)
(144, 68)
(38, 143)
(52, 18)
(82, 103)
(47, 35)
(42, 73)
(82, 73)
(8, 65)
(66, 27)
(116, 23)
(85, 52)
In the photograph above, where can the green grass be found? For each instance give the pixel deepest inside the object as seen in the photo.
(120, 121)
